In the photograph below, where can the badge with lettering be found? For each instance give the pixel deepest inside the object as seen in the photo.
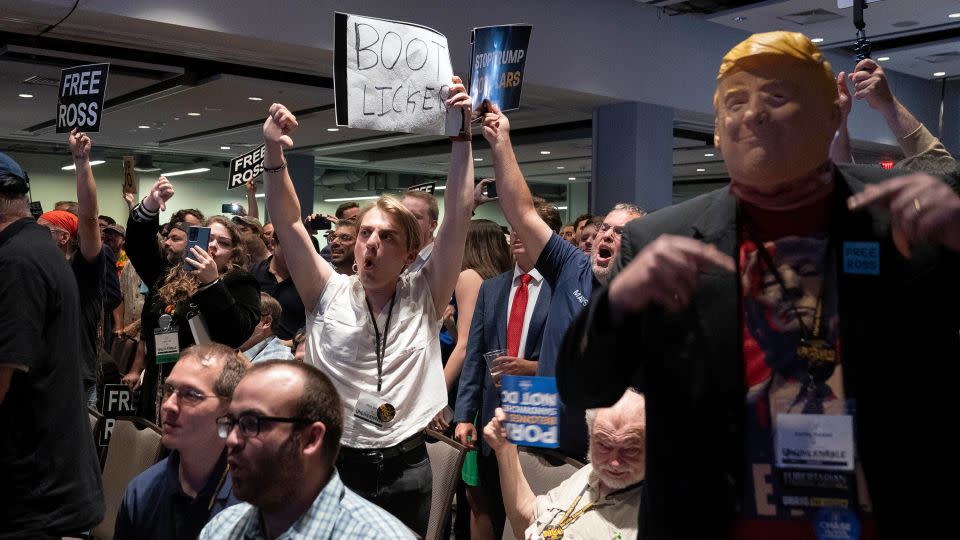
(836, 524)
(374, 410)
(814, 441)
(167, 344)
(861, 258)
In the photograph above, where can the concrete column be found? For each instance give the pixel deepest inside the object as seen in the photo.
(301, 172)
(632, 156)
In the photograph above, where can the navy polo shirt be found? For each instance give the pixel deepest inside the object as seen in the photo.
(155, 507)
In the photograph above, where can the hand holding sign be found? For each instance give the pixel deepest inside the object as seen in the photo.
(80, 145)
(496, 126)
(459, 98)
(923, 209)
(279, 125)
(160, 193)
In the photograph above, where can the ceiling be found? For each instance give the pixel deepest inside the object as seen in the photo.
(150, 98)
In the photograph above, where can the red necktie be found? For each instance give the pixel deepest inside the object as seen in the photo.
(517, 312)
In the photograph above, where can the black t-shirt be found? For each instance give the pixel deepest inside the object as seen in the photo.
(294, 316)
(49, 470)
(90, 283)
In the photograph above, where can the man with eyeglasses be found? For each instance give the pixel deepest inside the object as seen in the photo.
(48, 465)
(176, 497)
(283, 434)
(341, 243)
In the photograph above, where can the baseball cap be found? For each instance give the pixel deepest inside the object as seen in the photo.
(13, 180)
(116, 228)
(247, 221)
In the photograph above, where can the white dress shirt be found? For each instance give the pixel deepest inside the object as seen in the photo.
(421, 260)
(340, 342)
(533, 291)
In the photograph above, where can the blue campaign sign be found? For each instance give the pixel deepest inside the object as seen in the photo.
(532, 408)
(497, 62)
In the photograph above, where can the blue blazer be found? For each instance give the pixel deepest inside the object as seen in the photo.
(488, 331)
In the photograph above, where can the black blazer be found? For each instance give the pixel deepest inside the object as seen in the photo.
(900, 350)
(488, 331)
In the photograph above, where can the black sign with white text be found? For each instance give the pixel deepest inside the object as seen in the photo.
(80, 98)
(246, 167)
(117, 402)
(427, 187)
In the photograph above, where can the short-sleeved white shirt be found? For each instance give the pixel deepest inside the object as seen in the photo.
(340, 342)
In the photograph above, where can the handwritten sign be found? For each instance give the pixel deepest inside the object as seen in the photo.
(80, 100)
(497, 61)
(392, 76)
(532, 408)
(246, 167)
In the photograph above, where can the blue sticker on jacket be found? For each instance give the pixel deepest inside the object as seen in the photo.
(861, 258)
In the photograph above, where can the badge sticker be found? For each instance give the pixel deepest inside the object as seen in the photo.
(861, 258)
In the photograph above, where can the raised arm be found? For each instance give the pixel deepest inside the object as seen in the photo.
(518, 499)
(253, 210)
(443, 268)
(516, 201)
(308, 270)
(141, 245)
(87, 209)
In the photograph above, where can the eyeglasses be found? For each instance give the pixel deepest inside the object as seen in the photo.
(341, 237)
(250, 423)
(190, 396)
(617, 229)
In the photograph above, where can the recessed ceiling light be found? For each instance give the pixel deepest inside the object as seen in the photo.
(255, 98)
(940, 74)
(954, 15)
(224, 147)
(193, 114)
(560, 207)
(544, 152)
(817, 40)
(572, 178)
(72, 166)
(344, 199)
(883, 59)
(260, 195)
(143, 127)
(333, 129)
(478, 159)
(181, 173)
(701, 169)
(25, 95)
(708, 154)
(560, 167)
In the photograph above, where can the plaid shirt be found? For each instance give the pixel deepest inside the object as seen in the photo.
(337, 512)
(270, 348)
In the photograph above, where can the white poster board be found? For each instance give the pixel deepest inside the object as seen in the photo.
(392, 76)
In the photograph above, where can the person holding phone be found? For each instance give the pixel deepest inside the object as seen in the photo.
(375, 334)
(214, 297)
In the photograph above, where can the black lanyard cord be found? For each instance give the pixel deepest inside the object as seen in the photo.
(380, 347)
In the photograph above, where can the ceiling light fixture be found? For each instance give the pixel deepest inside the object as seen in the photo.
(954, 16)
(193, 114)
(544, 152)
(188, 171)
(560, 207)
(560, 167)
(440, 188)
(143, 127)
(478, 159)
(224, 147)
(572, 178)
(883, 59)
(333, 129)
(701, 170)
(255, 98)
(817, 40)
(940, 74)
(345, 199)
(708, 154)
(25, 95)
(260, 195)
(72, 166)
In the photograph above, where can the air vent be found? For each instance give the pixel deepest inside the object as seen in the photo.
(940, 58)
(40, 80)
(813, 16)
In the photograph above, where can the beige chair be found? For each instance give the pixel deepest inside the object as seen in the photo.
(544, 470)
(134, 447)
(122, 353)
(446, 460)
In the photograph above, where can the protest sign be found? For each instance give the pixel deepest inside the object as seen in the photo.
(246, 167)
(532, 408)
(426, 187)
(117, 402)
(496, 64)
(392, 76)
(80, 100)
(129, 175)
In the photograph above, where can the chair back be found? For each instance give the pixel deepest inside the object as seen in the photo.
(446, 460)
(134, 447)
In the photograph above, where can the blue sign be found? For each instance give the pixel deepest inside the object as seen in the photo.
(861, 258)
(532, 408)
(497, 62)
(836, 524)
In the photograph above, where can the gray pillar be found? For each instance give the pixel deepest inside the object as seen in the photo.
(578, 200)
(301, 172)
(632, 156)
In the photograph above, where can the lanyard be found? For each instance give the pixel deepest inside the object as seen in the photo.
(380, 347)
(556, 532)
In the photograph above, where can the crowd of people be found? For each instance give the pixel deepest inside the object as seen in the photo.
(692, 346)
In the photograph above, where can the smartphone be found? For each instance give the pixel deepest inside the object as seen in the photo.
(231, 209)
(320, 223)
(491, 190)
(36, 209)
(196, 236)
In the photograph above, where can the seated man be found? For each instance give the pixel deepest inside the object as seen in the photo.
(601, 500)
(177, 496)
(283, 435)
(264, 343)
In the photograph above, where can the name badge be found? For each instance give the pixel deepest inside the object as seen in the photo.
(814, 441)
(167, 344)
(374, 410)
(861, 258)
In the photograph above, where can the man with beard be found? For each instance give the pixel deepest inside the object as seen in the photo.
(341, 245)
(177, 496)
(283, 435)
(601, 500)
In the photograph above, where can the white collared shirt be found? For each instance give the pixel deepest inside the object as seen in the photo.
(533, 291)
(340, 342)
(421, 260)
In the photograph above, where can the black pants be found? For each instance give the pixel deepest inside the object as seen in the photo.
(489, 474)
(401, 485)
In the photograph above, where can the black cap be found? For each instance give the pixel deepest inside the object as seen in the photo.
(13, 181)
